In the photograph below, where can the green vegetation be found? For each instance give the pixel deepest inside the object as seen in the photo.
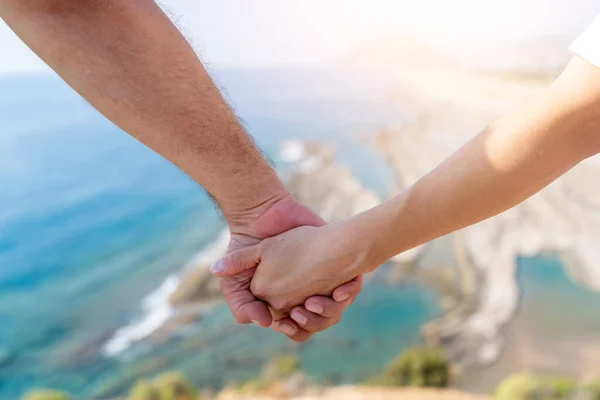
(563, 387)
(143, 390)
(530, 387)
(43, 394)
(276, 371)
(255, 385)
(168, 386)
(174, 386)
(420, 367)
(281, 367)
(593, 390)
(417, 367)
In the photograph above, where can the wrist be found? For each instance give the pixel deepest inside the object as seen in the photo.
(384, 233)
(278, 214)
(354, 236)
(245, 216)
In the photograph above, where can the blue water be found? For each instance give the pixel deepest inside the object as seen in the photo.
(557, 305)
(91, 221)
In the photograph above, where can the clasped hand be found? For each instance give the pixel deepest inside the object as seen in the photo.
(294, 266)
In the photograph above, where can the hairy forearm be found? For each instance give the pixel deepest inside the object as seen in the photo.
(503, 166)
(133, 65)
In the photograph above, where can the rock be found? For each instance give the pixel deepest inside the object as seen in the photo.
(195, 286)
(325, 186)
(183, 318)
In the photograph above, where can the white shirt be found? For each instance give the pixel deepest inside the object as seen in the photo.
(587, 46)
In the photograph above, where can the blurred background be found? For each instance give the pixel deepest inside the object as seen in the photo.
(104, 245)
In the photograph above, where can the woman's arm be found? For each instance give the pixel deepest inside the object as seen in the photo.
(511, 160)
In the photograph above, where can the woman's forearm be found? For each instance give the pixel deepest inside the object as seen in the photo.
(507, 163)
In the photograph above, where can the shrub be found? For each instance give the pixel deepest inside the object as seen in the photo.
(143, 390)
(44, 394)
(280, 367)
(419, 367)
(593, 390)
(517, 387)
(562, 388)
(174, 386)
(273, 375)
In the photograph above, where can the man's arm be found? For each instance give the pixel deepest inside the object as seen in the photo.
(511, 160)
(132, 64)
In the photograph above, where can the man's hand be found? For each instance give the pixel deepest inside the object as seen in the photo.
(317, 313)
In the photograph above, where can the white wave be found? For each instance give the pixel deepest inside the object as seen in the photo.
(155, 307)
(157, 311)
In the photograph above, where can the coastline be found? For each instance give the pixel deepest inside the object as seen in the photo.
(479, 292)
(318, 180)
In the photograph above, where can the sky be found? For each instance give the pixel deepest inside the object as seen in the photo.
(233, 33)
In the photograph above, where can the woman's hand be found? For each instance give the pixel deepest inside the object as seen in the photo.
(298, 264)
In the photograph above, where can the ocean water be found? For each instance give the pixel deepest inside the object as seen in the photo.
(559, 307)
(91, 222)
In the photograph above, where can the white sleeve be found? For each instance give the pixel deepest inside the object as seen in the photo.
(587, 46)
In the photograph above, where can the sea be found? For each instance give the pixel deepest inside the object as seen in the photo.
(93, 225)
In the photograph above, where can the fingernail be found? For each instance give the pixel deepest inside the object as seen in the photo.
(217, 267)
(315, 308)
(287, 329)
(299, 317)
(342, 297)
(256, 323)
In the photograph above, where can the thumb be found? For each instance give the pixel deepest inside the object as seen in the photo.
(237, 261)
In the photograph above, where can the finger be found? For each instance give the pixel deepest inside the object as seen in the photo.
(314, 323)
(243, 305)
(327, 307)
(278, 314)
(348, 290)
(292, 330)
(237, 262)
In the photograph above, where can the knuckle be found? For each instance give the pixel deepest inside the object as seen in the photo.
(259, 289)
(280, 304)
